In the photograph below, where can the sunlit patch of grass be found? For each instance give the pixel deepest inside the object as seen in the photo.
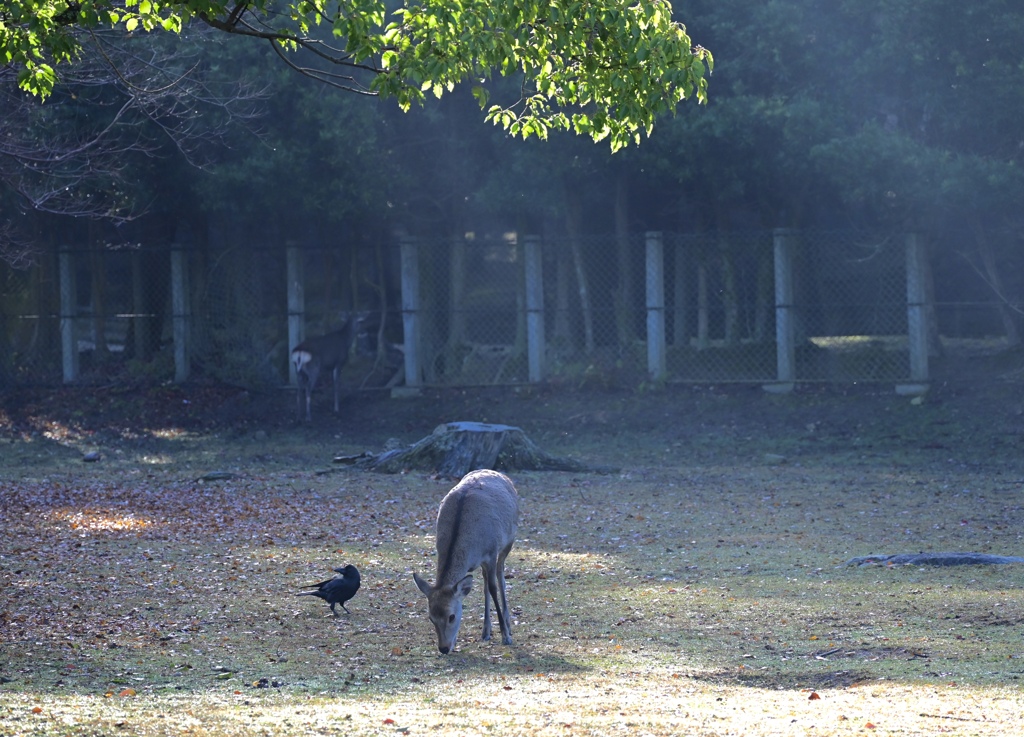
(98, 520)
(653, 702)
(853, 342)
(60, 432)
(169, 433)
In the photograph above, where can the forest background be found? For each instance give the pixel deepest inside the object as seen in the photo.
(860, 116)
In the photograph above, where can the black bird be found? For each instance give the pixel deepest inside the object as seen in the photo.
(336, 590)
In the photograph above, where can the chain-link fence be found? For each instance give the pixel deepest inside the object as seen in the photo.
(485, 310)
(851, 297)
(81, 311)
(719, 304)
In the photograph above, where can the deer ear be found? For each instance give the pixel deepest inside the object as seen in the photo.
(423, 585)
(463, 587)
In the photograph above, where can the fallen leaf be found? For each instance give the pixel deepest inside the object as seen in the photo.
(127, 692)
(813, 697)
(37, 710)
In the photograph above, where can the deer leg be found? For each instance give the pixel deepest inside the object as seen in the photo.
(303, 394)
(504, 620)
(336, 389)
(488, 594)
(312, 372)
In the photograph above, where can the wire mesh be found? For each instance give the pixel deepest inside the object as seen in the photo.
(235, 326)
(851, 306)
(719, 309)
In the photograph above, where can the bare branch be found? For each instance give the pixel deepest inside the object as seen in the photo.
(130, 98)
(238, 23)
(320, 75)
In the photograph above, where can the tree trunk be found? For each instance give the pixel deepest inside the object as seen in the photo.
(935, 348)
(730, 293)
(457, 293)
(702, 306)
(765, 295)
(98, 286)
(456, 338)
(680, 295)
(623, 296)
(572, 225)
(995, 282)
(562, 334)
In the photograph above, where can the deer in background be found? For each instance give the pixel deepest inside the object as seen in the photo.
(476, 527)
(325, 353)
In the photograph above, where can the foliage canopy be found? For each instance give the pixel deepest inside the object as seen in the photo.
(604, 68)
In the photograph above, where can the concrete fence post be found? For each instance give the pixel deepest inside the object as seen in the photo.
(411, 318)
(785, 348)
(180, 312)
(296, 304)
(917, 308)
(535, 341)
(655, 274)
(68, 313)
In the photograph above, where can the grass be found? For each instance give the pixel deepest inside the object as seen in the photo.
(701, 591)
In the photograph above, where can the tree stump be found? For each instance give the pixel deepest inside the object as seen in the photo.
(456, 448)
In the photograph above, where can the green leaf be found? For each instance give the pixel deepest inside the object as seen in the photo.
(481, 95)
(624, 63)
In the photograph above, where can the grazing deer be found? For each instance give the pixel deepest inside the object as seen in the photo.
(476, 526)
(326, 353)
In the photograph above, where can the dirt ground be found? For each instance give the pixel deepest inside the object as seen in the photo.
(696, 422)
(153, 540)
